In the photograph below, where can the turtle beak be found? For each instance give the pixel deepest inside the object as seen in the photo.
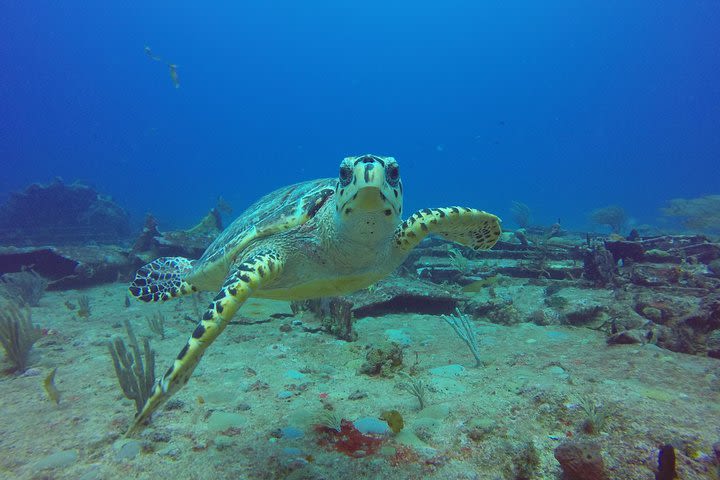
(368, 189)
(370, 176)
(369, 172)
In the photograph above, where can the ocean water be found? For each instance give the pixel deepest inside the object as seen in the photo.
(564, 344)
(567, 106)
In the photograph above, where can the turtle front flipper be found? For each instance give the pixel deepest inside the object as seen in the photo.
(467, 226)
(162, 279)
(252, 273)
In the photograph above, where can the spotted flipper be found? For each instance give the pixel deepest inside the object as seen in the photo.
(251, 274)
(467, 226)
(162, 279)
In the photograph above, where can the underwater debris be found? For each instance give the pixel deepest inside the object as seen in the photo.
(49, 383)
(463, 327)
(136, 377)
(17, 335)
(26, 286)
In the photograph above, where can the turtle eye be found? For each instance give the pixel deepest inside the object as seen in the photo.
(345, 175)
(393, 175)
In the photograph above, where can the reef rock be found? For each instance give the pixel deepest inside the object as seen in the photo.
(400, 295)
(581, 460)
(69, 266)
(61, 214)
(153, 243)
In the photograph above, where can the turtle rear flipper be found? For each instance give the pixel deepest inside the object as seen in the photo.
(251, 274)
(467, 226)
(162, 279)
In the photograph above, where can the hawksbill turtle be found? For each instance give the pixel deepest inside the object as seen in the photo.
(313, 239)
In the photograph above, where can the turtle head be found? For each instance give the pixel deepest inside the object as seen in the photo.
(369, 184)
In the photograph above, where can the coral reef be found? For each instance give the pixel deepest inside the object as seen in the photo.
(383, 359)
(61, 214)
(612, 216)
(334, 313)
(69, 266)
(25, 287)
(521, 214)
(599, 265)
(135, 375)
(699, 214)
(190, 243)
(348, 440)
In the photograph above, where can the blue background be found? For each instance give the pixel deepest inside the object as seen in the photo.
(566, 106)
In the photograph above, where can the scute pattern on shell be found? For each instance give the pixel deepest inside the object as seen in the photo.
(278, 211)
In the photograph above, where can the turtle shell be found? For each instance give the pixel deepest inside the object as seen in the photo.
(279, 211)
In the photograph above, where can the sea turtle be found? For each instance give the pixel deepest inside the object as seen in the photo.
(313, 239)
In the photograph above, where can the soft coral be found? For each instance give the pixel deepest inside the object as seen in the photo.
(348, 440)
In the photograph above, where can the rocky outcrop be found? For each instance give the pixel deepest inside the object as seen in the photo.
(62, 215)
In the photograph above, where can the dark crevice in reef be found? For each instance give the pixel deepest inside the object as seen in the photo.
(408, 304)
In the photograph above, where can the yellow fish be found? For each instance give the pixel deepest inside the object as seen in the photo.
(174, 75)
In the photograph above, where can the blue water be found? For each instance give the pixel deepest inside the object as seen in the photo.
(566, 106)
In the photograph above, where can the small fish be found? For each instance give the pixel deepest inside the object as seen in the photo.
(149, 53)
(52, 391)
(172, 66)
(174, 75)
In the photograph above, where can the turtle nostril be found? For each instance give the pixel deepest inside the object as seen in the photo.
(368, 160)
